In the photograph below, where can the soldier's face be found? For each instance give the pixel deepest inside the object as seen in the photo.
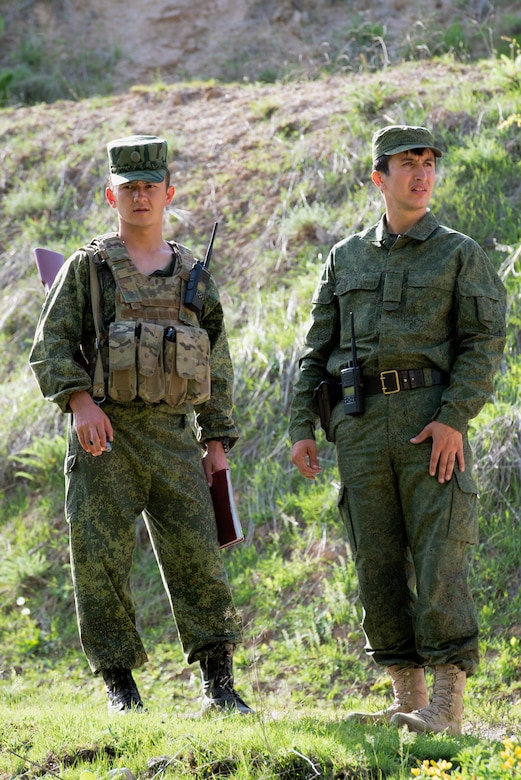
(140, 202)
(410, 181)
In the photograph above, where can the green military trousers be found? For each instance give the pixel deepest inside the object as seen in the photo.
(392, 509)
(154, 468)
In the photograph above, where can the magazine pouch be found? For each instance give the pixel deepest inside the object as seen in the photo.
(192, 362)
(151, 374)
(175, 386)
(122, 361)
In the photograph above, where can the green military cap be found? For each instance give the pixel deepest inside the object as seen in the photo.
(137, 158)
(400, 138)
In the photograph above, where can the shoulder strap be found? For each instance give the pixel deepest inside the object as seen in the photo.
(98, 382)
(184, 257)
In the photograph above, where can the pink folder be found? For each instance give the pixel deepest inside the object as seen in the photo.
(49, 263)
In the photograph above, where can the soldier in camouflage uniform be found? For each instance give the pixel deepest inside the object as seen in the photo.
(429, 320)
(131, 443)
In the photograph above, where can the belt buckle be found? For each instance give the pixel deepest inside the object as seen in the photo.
(383, 380)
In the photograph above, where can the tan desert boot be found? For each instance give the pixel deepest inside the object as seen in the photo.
(446, 706)
(410, 693)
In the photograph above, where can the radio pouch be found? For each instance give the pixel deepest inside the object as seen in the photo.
(326, 396)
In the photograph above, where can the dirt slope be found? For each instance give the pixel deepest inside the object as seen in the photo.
(248, 39)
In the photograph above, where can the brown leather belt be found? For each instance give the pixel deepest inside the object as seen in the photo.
(389, 382)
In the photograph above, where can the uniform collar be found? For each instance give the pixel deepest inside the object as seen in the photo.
(378, 234)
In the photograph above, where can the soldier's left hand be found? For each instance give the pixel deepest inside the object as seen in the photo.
(214, 459)
(304, 455)
(447, 449)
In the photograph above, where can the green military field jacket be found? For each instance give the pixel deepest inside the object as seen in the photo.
(426, 299)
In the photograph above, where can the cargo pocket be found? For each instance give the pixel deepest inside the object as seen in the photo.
(122, 361)
(151, 374)
(193, 363)
(463, 525)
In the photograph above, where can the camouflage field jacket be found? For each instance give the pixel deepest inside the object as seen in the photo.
(426, 299)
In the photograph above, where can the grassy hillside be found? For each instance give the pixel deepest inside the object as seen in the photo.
(285, 169)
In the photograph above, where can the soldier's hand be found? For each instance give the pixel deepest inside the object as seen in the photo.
(91, 424)
(214, 459)
(447, 449)
(304, 457)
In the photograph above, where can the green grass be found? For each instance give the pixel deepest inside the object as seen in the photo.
(168, 741)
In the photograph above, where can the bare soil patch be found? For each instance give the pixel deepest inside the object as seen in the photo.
(231, 40)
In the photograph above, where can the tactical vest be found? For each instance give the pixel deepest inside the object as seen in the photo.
(156, 349)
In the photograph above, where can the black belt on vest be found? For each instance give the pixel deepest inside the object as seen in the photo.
(389, 382)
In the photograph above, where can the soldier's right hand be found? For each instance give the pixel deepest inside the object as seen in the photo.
(91, 424)
(304, 456)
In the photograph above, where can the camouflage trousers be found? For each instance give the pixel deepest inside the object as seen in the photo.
(154, 468)
(394, 512)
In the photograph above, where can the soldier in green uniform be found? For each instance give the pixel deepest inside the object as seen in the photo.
(429, 321)
(131, 376)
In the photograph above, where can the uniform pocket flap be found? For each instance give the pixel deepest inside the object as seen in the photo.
(427, 279)
(466, 482)
(478, 290)
(357, 282)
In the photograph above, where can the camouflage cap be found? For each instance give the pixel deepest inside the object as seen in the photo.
(394, 139)
(137, 158)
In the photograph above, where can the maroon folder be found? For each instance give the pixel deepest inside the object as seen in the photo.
(229, 529)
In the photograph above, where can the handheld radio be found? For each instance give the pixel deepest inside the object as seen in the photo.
(352, 380)
(199, 278)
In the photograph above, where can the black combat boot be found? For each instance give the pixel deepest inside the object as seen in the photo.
(217, 675)
(122, 691)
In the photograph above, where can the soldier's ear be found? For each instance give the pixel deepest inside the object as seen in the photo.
(170, 194)
(109, 195)
(376, 176)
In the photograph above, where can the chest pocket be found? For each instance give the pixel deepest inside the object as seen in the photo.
(430, 303)
(357, 293)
